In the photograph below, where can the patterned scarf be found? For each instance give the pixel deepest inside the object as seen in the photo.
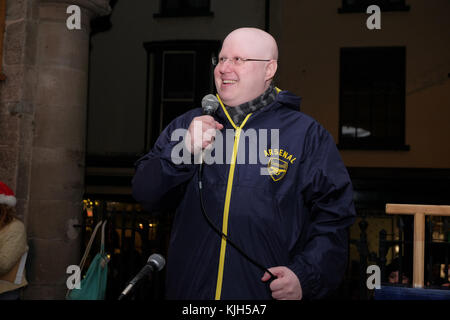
(239, 112)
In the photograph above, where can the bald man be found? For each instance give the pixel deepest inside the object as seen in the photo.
(239, 85)
(274, 229)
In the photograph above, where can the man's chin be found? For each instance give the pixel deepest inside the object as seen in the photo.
(228, 100)
(229, 103)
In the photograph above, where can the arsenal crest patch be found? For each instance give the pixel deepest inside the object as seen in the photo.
(277, 168)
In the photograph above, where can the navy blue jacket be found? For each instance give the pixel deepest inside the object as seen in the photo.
(297, 215)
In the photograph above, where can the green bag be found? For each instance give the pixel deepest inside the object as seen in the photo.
(93, 285)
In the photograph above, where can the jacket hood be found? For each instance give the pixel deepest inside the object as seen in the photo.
(289, 100)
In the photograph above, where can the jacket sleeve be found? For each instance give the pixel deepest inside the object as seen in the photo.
(13, 244)
(320, 258)
(161, 174)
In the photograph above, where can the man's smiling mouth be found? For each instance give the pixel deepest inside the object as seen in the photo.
(229, 81)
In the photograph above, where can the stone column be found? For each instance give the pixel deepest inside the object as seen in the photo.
(43, 105)
(16, 100)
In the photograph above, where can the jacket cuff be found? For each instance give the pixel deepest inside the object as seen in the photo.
(309, 280)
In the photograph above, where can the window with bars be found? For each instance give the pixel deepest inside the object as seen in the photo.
(179, 75)
(177, 8)
(372, 98)
(351, 6)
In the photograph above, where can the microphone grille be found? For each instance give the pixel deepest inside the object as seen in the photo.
(209, 104)
(157, 260)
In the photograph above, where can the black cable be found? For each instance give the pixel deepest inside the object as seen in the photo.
(221, 234)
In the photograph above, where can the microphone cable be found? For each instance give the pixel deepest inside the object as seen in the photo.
(221, 234)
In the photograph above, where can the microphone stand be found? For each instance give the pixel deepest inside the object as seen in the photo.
(129, 291)
(133, 285)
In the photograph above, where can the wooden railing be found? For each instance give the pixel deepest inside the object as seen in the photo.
(419, 212)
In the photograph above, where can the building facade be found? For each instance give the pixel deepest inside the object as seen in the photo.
(79, 106)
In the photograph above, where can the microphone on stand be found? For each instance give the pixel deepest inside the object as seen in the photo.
(155, 262)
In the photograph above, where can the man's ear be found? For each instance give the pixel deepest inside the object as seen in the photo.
(271, 69)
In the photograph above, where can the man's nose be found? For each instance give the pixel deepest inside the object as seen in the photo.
(226, 66)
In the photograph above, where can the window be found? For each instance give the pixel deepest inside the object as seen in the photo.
(179, 75)
(350, 6)
(178, 84)
(372, 98)
(177, 8)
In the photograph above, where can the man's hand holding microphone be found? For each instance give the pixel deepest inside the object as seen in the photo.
(201, 133)
(202, 130)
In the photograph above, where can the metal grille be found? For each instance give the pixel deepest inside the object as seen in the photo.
(131, 236)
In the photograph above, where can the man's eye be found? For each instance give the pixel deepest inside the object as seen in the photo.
(237, 59)
(222, 60)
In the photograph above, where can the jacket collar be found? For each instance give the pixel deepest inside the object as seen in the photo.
(282, 99)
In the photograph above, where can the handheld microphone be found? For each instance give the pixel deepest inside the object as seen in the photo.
(155, 262)
(210, 103)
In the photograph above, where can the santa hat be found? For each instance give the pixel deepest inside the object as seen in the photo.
(7, 195)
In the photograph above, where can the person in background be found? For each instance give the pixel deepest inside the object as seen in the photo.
(13, 247)
(393, 272)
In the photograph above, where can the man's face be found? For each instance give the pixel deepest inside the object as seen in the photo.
(237, 84)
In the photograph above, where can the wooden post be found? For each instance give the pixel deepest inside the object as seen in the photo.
(419, 212)
(419, 250)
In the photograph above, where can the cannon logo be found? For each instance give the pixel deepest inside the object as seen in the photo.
(278, 164)
(277, 168)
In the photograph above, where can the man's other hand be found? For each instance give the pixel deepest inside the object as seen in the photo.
(286, 286)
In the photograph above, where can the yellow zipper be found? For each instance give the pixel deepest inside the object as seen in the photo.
(223, 244)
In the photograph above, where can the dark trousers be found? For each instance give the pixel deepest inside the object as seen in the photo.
(10, 295)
